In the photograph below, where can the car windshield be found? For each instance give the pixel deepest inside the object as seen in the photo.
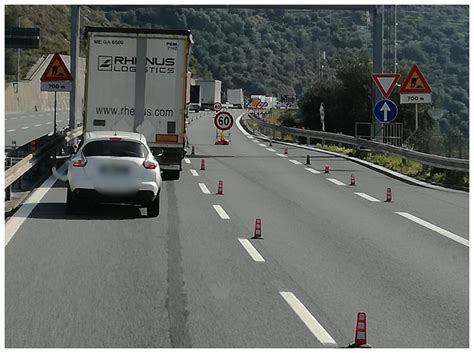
(115, 149)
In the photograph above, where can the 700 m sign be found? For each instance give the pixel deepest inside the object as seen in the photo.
(223, 120)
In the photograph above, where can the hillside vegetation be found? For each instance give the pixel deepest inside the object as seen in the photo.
(279, 51)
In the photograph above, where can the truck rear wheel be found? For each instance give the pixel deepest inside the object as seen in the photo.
(170, 174)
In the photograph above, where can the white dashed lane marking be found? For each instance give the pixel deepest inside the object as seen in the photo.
(220, 211)
(313, 171)
(294, 162)
(193, 172)
(271, 150)
(204, 188)
(437, 229)
(25, 127)
(367, 197)
(254, 254)
(281, 155)
(311, 323)
(335, 181)
(187, 161)
(262, 145)
(11, 130)
(38, 125)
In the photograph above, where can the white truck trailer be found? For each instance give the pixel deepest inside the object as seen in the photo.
(210, 93)
(235, 97)
(136, 80)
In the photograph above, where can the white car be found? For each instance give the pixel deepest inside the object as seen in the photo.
(114, 167)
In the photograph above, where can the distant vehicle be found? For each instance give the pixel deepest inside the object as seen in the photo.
(269, 102)
(195, 99)
(138, 81)
(235, 98)
(210, 93)
(114, 167)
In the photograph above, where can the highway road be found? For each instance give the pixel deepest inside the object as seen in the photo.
(24, 127)
(111, 277)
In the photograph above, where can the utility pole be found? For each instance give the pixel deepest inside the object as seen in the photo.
(75, 25)
(18, 64)
(377, 59)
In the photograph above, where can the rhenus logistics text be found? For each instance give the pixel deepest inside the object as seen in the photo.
(128, 64)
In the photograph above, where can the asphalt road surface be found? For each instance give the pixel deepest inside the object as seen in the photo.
(25, 127)
(192, 277)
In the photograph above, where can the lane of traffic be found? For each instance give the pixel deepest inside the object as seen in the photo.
(384, 239)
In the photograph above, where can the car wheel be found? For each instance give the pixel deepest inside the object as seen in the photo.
(72, 202)
(153, 210)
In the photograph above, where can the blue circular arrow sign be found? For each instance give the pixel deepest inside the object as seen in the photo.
(385, 111)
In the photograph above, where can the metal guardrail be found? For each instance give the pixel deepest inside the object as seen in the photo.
(424, 158)
(16, 171)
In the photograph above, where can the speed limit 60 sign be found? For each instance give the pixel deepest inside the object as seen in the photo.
(223, 120)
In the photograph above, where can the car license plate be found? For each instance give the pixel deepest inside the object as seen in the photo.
(114, 169)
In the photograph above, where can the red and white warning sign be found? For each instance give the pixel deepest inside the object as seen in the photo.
(415, 88)
(385, 83)
(223, 121)
(56, 77)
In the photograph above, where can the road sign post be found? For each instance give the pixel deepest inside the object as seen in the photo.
(223, 122)
(415, 89)
(56, 78)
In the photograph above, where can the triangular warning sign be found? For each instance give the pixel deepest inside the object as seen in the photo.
(415, 82)
(56, 70)
(385, 82)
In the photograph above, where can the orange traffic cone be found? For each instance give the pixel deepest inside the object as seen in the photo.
(353, 180)
(258, 229)
(220, 188)
(360, 331)
(389, 195)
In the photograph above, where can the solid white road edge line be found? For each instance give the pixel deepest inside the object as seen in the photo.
(313, 171)
(220, 211)
(294, 162)
(335, 181)
(187, 161)
(193, 172)
(204, 188)
(367, 197)
(15, 221)
(437, 229)
(242, 130)
(254, 254)
(311, 323)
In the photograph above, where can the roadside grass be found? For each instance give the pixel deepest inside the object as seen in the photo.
(408, 167)
(450, 178)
